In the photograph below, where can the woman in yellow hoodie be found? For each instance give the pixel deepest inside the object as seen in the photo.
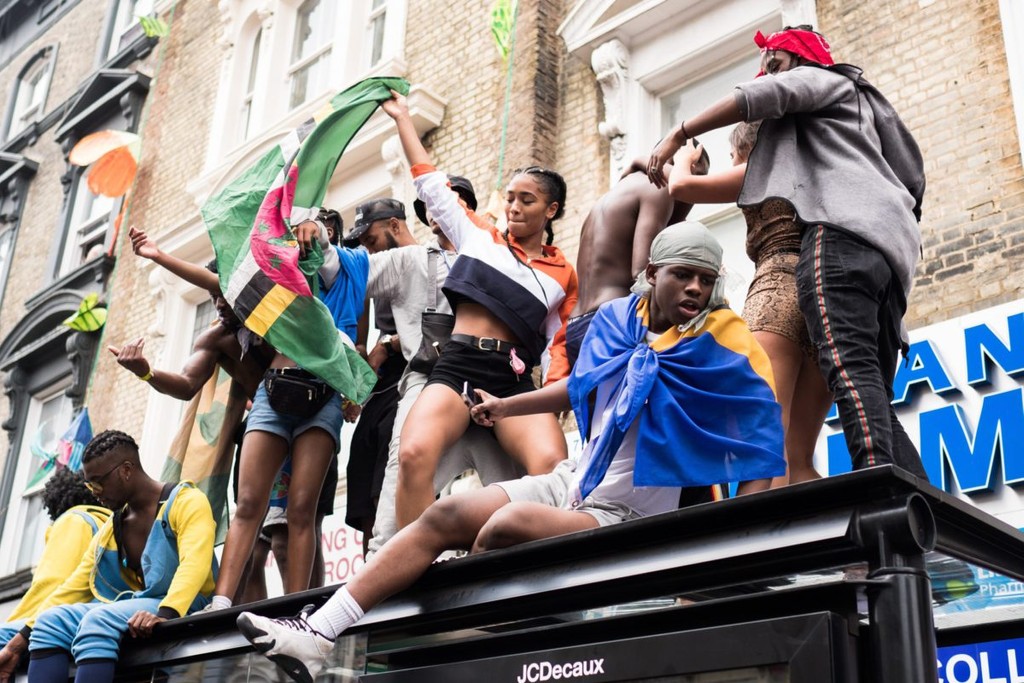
(77, 516)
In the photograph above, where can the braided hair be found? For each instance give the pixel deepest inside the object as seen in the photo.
(553, 185)
(107, 441)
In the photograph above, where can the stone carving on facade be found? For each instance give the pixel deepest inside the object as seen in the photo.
(161, 283)
(15, 389)
(227, 36)
(610, 62)
(81, 350)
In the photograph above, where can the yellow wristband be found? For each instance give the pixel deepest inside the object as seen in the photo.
(148, 376)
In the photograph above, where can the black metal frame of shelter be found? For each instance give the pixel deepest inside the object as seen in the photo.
(733, 561)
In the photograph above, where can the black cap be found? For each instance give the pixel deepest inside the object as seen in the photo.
(461, 185)
(372, 211)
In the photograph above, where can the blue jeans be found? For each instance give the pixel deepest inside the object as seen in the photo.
(854, 306)
(88, 630)
(263, 418)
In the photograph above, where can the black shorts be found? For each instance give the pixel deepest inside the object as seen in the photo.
(488, 370)
(575, 331)
(368, 453)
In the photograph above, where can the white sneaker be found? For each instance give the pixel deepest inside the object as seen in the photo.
(210, 607)
(290, 642)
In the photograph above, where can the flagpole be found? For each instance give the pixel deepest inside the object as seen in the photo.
(510, 58)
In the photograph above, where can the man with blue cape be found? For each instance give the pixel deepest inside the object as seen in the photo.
(683, 396)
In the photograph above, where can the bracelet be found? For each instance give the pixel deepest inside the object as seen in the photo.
(148, 376)
(682, 129)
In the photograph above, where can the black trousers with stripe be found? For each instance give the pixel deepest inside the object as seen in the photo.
(854, 306)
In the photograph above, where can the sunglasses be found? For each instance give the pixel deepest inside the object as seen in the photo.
(96, 486)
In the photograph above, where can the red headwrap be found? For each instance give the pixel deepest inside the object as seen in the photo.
(807, 44)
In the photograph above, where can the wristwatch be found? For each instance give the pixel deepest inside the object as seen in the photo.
(385, 340)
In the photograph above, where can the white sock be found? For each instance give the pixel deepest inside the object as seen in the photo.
(221, 602)
(340, 612)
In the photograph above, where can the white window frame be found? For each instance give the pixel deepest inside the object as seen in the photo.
(320, 55)
(270, 114)
(125, 19)
(82, 233)
(246, 119)
(7, 236)
(378, 18)
(27, 111)
(17, 523)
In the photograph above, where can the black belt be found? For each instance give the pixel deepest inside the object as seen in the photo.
(490, 344)
(293, 372)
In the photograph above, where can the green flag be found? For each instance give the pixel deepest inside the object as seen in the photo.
(270, 289)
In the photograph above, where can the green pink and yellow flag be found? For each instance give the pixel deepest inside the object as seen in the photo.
(271, 289)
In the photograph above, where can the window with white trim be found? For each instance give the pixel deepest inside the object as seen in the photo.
(206, 313)
(86, 233)
(6, 246)
(32, 88)
(314, 48)
(125, 27)
(308, 71)
(377, 24)
(250, 89)
(48, 417)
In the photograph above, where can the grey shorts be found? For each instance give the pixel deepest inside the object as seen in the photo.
(553, 489)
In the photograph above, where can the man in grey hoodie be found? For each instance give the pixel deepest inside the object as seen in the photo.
(832, 146)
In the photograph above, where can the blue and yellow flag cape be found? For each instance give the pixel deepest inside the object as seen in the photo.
(705, 399)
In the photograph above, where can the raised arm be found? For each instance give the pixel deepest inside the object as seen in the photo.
(199, 276)
(184, 385)
(431, 186)
(724, 112)
(715, 188)
(398, 109)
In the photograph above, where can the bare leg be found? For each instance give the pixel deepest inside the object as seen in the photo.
(317, 579)
(311, 455)
(518, 523)
(253, 587)
(450, 523)
(805, 419)
(261, 458)
(786, 359)
(279, 544)
(536, 442)
(436, 421)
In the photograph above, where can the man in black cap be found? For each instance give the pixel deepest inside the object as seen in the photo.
(380, 225)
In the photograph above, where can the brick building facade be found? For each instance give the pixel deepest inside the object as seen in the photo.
(594, 83)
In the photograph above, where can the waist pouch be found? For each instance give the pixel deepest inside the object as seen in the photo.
(295, 392)
(437, 329)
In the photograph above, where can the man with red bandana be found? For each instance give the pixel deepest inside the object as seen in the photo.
(833, 147)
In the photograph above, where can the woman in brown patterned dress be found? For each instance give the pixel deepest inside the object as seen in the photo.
(771, 309)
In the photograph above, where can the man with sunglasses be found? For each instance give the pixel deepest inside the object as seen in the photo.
(152, 561)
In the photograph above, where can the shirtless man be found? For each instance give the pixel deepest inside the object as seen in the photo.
(217, 346)
(615, 244)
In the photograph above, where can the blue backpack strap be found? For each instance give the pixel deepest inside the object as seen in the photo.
(165, 517)
(165, 524)
(88, 518)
